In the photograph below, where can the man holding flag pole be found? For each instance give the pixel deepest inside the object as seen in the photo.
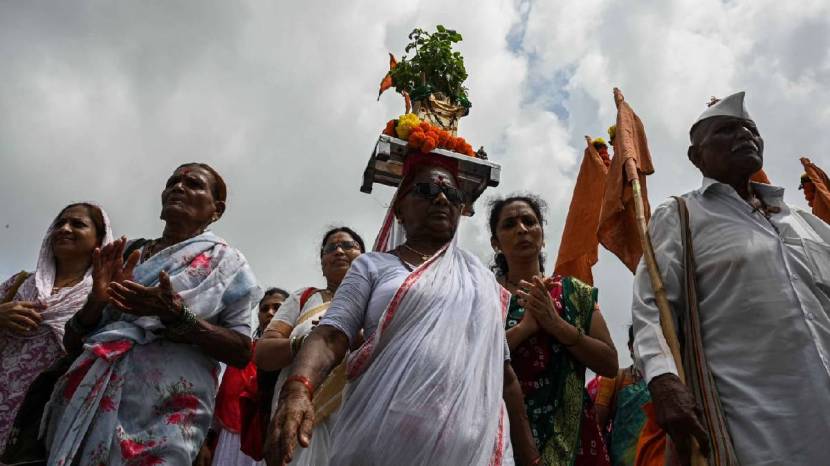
(745, 279)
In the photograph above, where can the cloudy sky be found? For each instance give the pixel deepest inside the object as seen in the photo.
(101, 101)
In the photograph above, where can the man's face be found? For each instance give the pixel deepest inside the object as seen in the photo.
(726, 148)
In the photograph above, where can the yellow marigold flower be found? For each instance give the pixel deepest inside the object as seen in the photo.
(405, 124)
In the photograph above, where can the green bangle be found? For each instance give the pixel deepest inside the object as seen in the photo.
(184, 324)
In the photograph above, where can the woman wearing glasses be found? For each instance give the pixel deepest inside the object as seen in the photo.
(426, 386)
(297, 316)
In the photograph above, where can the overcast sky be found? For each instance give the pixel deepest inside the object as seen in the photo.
(101, 100)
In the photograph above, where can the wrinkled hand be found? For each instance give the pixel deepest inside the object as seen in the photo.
(291, 424)
(136, 299)
(678, 414)
(536, 300)
(108, 266)
(20, 317)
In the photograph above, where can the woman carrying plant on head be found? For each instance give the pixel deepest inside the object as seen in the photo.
(154, 330)
(555, 331)
(426, 386)
(290, 328)
(35, 307)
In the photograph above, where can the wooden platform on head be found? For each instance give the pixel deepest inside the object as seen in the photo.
(386, 166)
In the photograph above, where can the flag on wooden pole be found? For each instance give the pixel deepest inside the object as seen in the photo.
(618, 230)
(578, 248)
(820, 190)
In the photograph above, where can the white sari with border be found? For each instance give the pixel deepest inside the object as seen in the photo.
(426, 387)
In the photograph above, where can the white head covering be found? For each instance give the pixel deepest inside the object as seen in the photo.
(728, 106)
(67, 301)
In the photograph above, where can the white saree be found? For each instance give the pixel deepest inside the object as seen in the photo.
(426, 386)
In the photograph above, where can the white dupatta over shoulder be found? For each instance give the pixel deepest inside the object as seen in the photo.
(426, 387)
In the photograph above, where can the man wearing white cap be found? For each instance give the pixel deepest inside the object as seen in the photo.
(753, 316)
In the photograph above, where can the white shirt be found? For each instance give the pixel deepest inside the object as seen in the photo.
(764, 295)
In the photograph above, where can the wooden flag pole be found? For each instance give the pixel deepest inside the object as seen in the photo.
(666, 318)
(663, 306)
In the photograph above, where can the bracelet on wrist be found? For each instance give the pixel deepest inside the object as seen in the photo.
(296, 343)
(303, 380)
(183, 324)
(537, 461)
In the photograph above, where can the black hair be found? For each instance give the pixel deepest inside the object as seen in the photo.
(272, 291)
(538, 206)
(342, 229)
(631, 334)
(95, 215)
(219, 188)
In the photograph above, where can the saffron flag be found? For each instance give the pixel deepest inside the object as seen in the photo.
(386, 83)
(821, 187)
(618, 231)
(578, 248)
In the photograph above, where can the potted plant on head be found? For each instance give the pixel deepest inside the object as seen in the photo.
(432, 79)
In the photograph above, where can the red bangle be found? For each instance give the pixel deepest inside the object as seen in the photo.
(303, 380)
(537, 461)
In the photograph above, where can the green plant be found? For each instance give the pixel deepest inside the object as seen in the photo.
(434, 67)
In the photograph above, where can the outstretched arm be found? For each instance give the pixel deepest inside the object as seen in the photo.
(325, 347)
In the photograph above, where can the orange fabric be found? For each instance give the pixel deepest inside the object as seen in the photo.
(760, 177)
(651, 447)
(578, 248)
(618, 225)
(386, 83)
(821, 201)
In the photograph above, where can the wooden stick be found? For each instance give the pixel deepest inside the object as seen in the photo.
(663, 306)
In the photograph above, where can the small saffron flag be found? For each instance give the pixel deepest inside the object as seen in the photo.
(618, 230)
(578, 248)
(818, 196)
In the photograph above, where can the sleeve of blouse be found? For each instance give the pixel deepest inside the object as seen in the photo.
(348, 308)
(237, 318)
(289, 311)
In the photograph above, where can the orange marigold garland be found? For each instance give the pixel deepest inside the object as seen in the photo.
(426, 138)
(390, 128)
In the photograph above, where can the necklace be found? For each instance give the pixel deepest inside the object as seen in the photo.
(424, 257)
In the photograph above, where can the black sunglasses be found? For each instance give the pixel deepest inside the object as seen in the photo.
(344, 245)
(430, 191)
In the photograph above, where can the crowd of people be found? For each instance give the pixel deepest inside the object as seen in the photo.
(121, 351)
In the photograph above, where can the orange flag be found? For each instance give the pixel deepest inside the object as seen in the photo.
(618, 226)
(386, 83)
(821, 198)
(760, 177)
(578, 248)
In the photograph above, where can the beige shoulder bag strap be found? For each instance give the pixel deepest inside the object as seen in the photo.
(698, 377)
